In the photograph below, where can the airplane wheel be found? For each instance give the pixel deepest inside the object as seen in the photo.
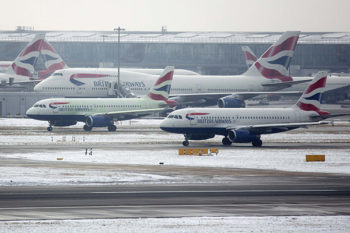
(112, 128)
(257, 143)
(185, 143)
(226, 141)
(49, 128)
(87, 128)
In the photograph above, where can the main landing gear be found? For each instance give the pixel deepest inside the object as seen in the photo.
(226, 141)
(87, 128)
(257, 142)
(112, 128)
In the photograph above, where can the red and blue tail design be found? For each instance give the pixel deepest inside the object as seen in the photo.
(53, 60)
(311, 98)
(160, 90)
(274, 63)
(249, 56)
(25, 62)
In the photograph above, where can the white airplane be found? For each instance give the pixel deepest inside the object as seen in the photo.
(249, 56)
(102, 112)
(269, 73)
(22, 69)
(244, 125)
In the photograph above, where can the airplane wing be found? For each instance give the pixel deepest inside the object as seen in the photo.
(273, 128)
(128, 114)
(210, 97)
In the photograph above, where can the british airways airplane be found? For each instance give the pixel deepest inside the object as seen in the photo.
(102, 112)
(268, 74)
(244, 125)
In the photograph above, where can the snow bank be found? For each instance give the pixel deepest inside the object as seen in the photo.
(291, 224)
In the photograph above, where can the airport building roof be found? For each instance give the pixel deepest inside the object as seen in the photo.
(178, 37)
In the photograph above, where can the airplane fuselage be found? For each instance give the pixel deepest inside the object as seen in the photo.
(219, 121)
(73, 83)
(79, 108)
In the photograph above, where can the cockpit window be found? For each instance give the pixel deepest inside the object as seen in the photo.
(175, 116)
(39, 106)
(57, 74)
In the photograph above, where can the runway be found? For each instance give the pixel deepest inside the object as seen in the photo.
(258, 195)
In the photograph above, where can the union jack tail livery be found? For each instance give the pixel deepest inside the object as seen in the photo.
(25, 62)
(53, 61)
(249, 56)
(160, 90)
(274, 63)
(311, 98)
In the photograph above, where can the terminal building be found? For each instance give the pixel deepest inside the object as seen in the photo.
(203, 52)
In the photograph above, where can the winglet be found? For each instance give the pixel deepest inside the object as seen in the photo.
(160, 90)
(311, 98)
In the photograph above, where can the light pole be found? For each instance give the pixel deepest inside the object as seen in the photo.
(118, 54)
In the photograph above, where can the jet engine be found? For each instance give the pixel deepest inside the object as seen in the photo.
(242, 136)
(98, 121)
(230, 102)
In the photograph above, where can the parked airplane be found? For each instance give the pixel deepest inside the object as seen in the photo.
(244, 125)
(269, 73)
(22, 69)
(97, 112)
(249, 56)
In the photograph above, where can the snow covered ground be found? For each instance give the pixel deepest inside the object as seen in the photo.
(291, 224)
(337, 160)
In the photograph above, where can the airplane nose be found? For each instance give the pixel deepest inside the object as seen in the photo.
(162, 123)
(37, 87)
(30, 111)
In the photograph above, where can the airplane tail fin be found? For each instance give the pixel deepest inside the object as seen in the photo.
(25, 62)
(274, 63)
(160, 90)
(249, 56)
(53, 61)
(311, 98)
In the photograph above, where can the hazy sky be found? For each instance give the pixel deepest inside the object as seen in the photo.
(177, 15)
